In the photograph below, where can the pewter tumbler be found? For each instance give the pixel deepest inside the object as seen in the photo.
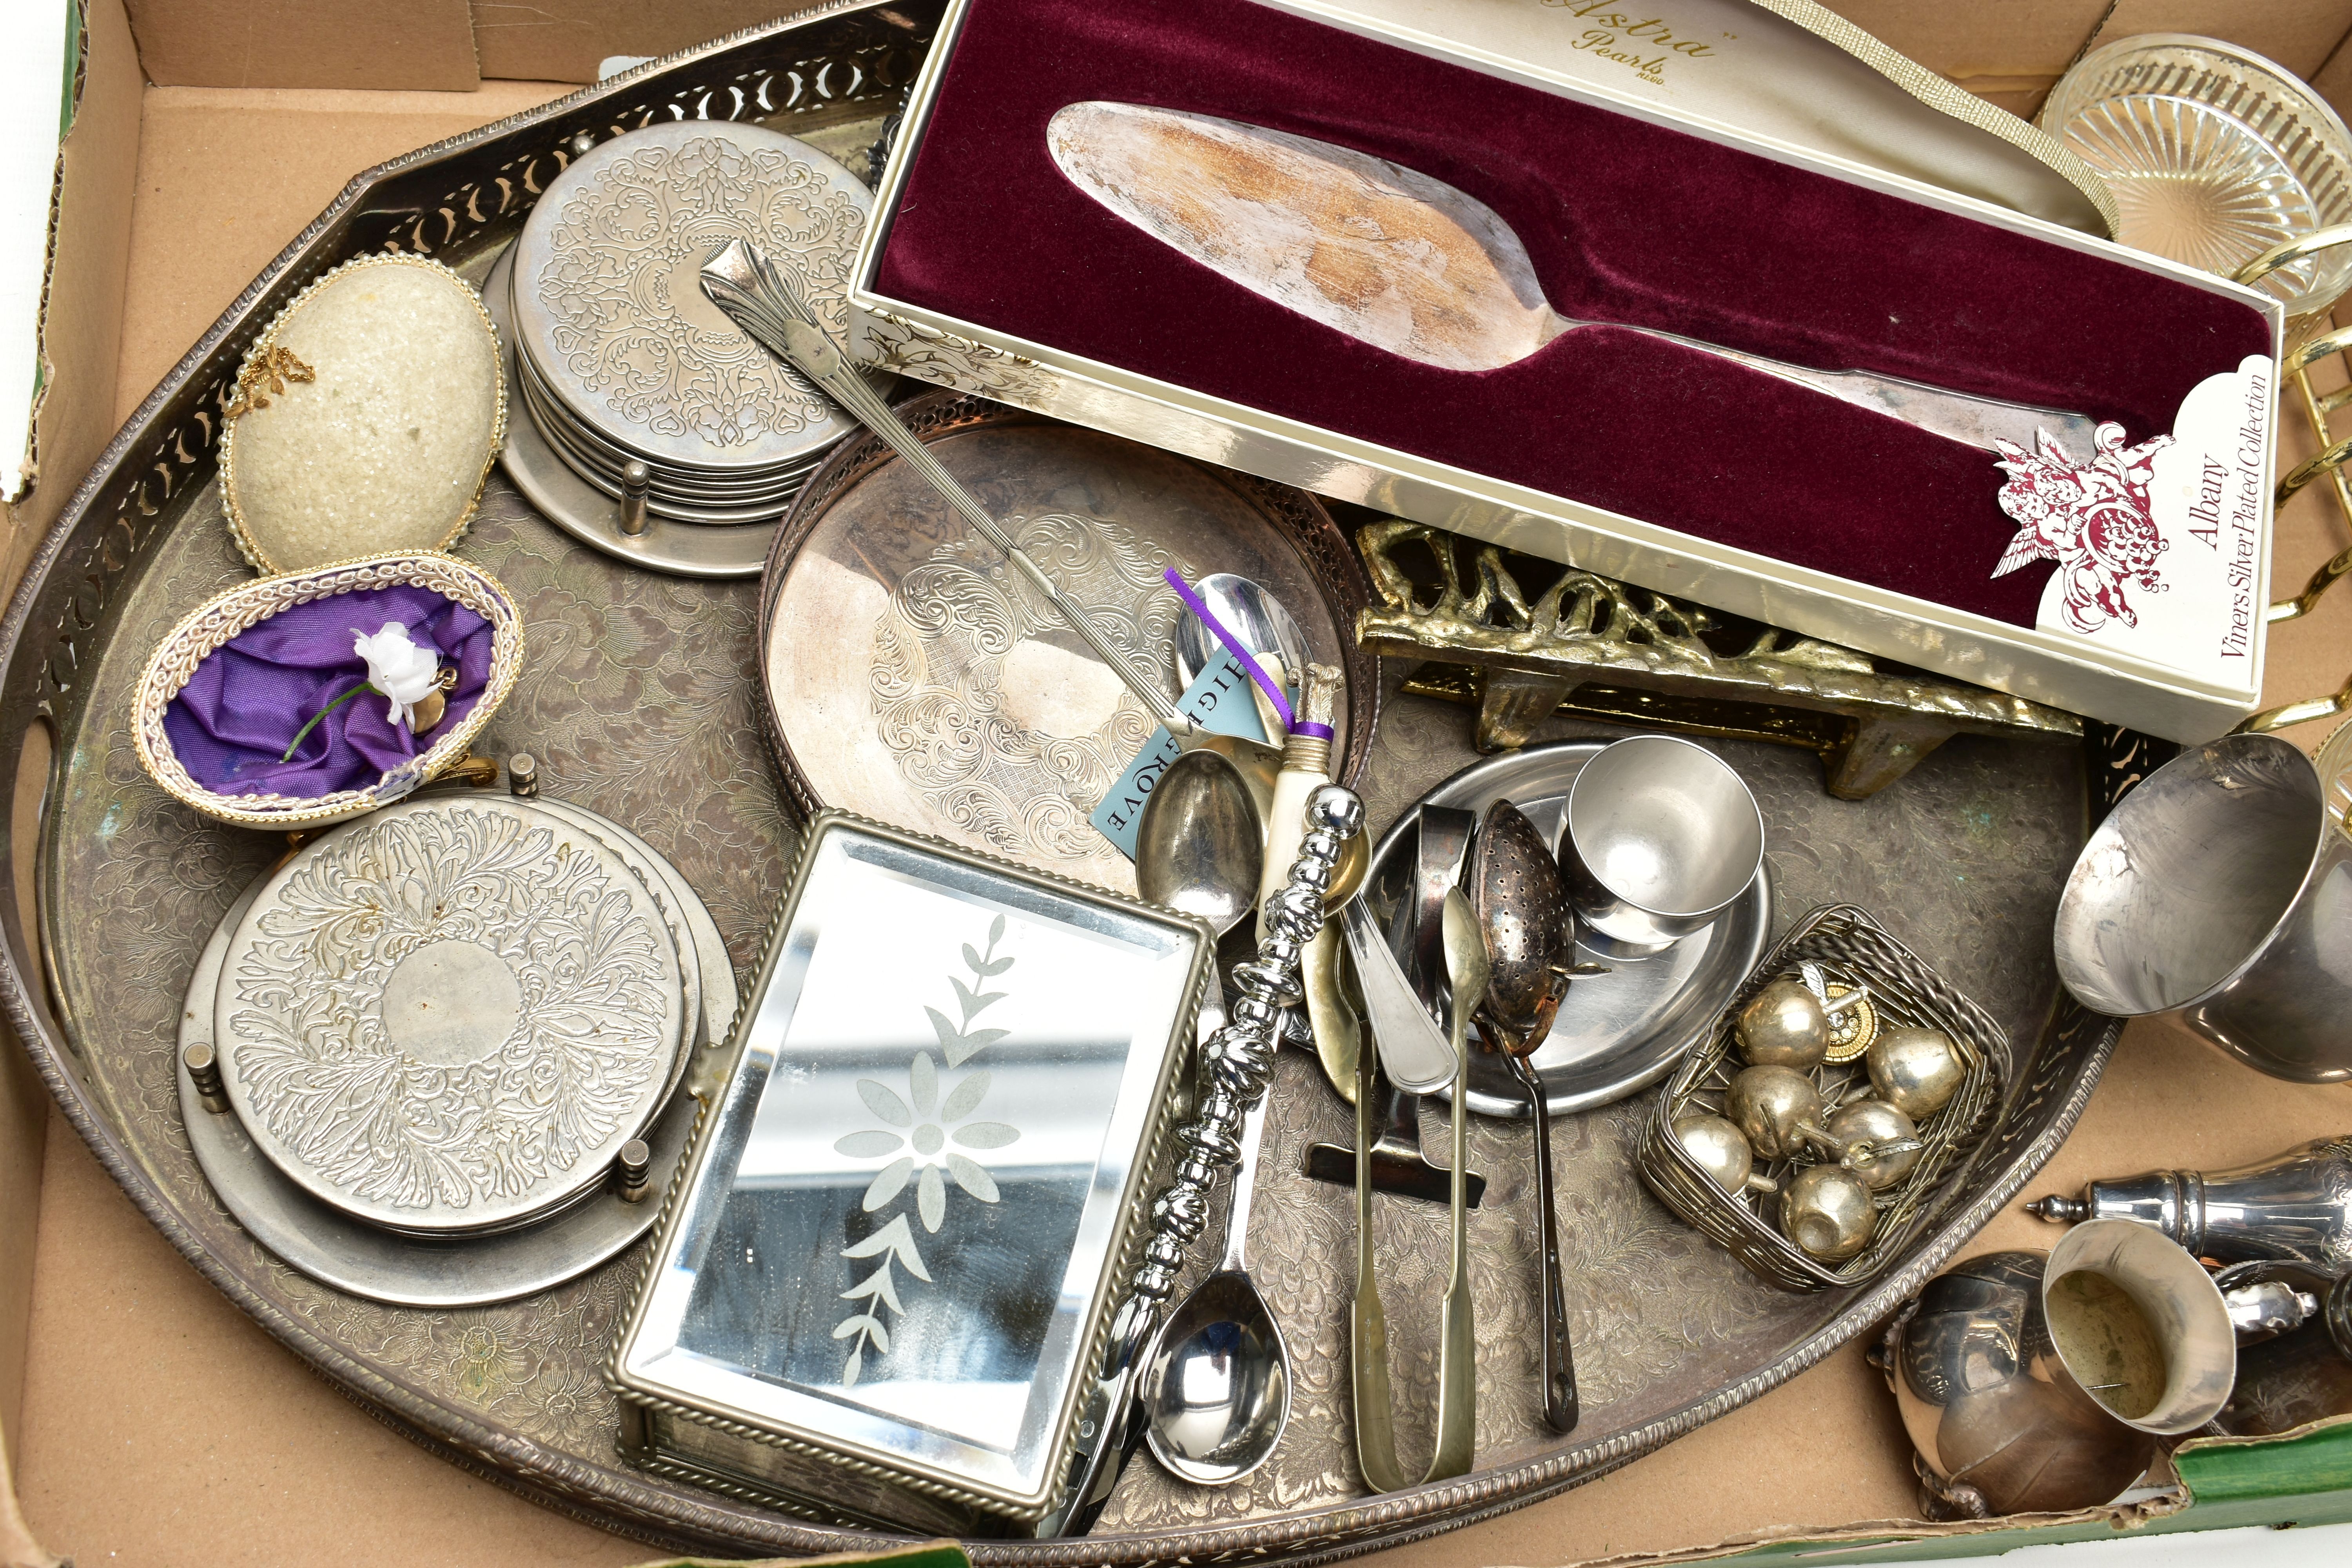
(2216, 890)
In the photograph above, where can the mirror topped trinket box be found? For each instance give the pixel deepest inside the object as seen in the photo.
(890, 1266)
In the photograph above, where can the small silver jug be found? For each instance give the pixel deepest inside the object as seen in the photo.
(2034, 1382)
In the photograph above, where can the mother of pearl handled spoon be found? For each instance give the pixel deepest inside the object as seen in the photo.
(1407, 263)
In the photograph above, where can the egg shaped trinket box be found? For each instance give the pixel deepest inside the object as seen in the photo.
(365, 418)
(312, 697)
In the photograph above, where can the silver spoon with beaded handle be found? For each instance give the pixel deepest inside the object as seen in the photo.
(1236, 1065)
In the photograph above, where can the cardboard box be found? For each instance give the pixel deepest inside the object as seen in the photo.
(151, 1422)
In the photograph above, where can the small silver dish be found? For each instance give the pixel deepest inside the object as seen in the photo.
(1619, 1032)
(2214, 154)
(1661, 837)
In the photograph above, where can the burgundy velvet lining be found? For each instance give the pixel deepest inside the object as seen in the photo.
(1625, 222)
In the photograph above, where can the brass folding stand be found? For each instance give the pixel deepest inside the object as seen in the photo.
(1591, 647)
(2330, 461)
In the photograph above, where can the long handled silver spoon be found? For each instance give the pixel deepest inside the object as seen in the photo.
(1521, 903)
(1216, 1386)
(1216, 1383)
(768, 305)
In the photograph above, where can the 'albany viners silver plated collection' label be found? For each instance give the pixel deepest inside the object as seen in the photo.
(447, 1018)
(610, 311)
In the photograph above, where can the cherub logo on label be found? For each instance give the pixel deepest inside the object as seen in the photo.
(2091, 518)
(2158, 545)
(1630, 38)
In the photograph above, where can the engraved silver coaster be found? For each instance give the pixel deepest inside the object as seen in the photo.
(464, 1271)
(587, 508)
(608, 305)
(447, 1017)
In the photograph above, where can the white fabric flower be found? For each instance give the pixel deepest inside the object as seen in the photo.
(398, 668)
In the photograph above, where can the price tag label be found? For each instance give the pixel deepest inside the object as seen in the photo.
(1219, 700)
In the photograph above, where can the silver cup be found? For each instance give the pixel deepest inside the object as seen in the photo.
(2038, 1382)
(2217, 891)
(1662, 836)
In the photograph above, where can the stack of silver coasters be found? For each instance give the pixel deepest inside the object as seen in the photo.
(620, 357)
(652, 427)
(435, 1056)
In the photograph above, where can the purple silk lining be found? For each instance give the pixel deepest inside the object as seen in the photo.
(231, 724)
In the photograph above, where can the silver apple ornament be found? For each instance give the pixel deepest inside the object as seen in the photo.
(1914, 1070)
(1784, 1025)
(1826, 1211)
(1777, 1111)
(1876, 1142)
(1723, 1153)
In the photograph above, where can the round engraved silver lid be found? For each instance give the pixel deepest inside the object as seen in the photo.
(446, 1019)
(611, 321)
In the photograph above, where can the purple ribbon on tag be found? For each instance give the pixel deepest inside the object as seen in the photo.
(1266, 683)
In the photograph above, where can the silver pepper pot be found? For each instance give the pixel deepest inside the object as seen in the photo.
(2294, 1208)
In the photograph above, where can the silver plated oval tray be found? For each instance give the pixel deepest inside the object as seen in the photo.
(1620, 1032)
(641, 699)
(911, 677)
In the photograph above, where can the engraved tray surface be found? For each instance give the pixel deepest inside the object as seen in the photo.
(642, 696)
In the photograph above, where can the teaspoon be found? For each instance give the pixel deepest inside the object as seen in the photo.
(1257, 620)
(1200, 847)
(1216, 1387)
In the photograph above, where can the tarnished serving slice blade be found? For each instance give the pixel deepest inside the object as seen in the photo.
(1407, 263)
(1365, 246)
